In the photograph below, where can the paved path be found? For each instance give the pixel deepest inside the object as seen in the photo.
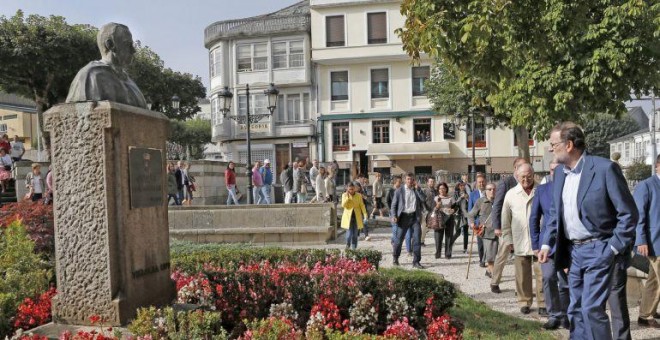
(478, 285)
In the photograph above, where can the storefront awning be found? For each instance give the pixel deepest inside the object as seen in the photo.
(408, 149)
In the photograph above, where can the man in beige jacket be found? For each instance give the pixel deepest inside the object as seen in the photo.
(515, 230)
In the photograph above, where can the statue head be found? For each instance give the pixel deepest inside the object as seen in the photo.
(116, 44)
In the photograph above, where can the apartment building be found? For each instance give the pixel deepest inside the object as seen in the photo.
(637, 146)
(257, 51)
(374, 113)
(18, 118)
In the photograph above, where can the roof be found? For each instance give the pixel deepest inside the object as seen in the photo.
(638, 114)
(630, 135)
(15, 102)
(295, 18)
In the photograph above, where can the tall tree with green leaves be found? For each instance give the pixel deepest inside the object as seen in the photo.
(603, 128)
(192, 134)
(540, 62)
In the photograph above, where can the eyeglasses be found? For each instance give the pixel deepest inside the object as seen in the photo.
(553, 145)
(490, 189)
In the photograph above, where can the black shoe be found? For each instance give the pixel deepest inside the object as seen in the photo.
(543, 312)
(422, 244)
(418, 265)
(448, 257)
(395, 262)
(437, 256)
(482, 265)
(552, 324)
(525, 310)
(489, 274)
(464, 251)
(651, 323)
(565, 323)
(495, 289)
(656, 316)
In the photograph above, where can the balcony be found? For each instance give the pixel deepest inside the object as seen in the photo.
(230, 130)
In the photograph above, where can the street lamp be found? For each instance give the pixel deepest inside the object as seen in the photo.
(226, 100)
(176, 102)
(459, 121)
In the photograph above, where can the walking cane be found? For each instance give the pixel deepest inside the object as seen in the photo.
(467, 274)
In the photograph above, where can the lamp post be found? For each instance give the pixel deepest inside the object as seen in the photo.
(226, 99)
(654, 147)
(459, 121)
(176, 102)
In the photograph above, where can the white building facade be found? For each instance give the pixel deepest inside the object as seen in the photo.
(257, 51)
(374, 114)
(637, 146)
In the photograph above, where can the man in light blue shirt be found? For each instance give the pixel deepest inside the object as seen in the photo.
(591, 221)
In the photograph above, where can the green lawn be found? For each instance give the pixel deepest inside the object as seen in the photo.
(482, 322)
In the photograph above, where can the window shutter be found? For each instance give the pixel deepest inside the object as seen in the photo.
(379, 75)
(421, 72)
(377, 28)
(334, 30)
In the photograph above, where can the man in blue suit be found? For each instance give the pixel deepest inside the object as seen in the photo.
(647, 197)
(555, 282)
(592, 220)
(407, 207)
(479, 192)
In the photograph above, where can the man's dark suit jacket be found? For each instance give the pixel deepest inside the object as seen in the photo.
(605, 205)
(399, 203)
(502, 188)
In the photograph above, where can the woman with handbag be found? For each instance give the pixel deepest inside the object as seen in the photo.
(5, 169)
(443, 213)
(482, 209)
(461, 222)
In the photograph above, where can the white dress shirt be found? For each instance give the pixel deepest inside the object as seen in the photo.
(410, 201)
(574, 229)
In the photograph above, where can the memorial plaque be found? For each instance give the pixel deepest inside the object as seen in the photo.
(145, 167)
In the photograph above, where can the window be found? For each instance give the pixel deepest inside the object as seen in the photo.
(3, 128)
(280, 113)
(293, 107)
(288, 54)
(244, 57)
(379, 83)
(340, 137)
(8, 117)
(252, 57)
(305, 103)
(627, 150)
(258, 104)
(479, 133)
(279, 55)
(420, 75)
(339, 85)
(376, 28)
(422, 129)
(334, 31)
(214, 62)
(381, 131)
(216, 116)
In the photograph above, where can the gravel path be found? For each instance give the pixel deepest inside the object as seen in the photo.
(478, 285)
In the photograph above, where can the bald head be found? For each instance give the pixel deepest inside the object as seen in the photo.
(116, 44)
(525, 176)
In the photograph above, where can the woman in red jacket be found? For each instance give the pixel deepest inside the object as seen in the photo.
(230, 182)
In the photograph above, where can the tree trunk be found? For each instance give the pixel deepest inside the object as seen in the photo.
(522, 135)
(45, 140)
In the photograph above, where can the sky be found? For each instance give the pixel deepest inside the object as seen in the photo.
(173, 29)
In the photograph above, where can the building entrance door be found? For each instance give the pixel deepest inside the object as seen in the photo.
(362, 162)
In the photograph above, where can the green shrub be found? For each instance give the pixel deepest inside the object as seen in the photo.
(638, 171)
(170, 324)
(23, 273)
(191, 258)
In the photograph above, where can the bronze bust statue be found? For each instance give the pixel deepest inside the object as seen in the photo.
(106, 79)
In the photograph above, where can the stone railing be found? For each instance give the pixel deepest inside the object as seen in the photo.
(210, 182)
(307, 224)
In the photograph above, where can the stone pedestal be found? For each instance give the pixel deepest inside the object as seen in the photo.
(111, 224)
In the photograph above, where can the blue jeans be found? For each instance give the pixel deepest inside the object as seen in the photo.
(257, 195)
(590, 281)
(265, 193)
(231, 195)
(176, 199)
(352, 235)
(300, 197)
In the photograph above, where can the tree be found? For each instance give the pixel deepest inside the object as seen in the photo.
(638, 171)
(39, 57)
(160, 84)
(540, 62)
(192, 134)
(603, 128)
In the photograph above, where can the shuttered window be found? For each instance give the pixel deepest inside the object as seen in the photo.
(339, 85)
(334, 31)
(380, 83)
(376, 28)
(420, 75)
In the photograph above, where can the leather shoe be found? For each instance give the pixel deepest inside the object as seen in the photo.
(489, 274)
(525, 310)
(543, 312)
(395, 262)
(482, 265)
(651, 323)
(656, 316)
(565, 323)
(418, 266)
(552, 324)
(495, 289)
(437, 256)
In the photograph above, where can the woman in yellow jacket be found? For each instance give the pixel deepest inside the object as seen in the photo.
(355, 213)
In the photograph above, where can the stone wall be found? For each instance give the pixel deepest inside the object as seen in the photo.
(210, 182)
(307, 224)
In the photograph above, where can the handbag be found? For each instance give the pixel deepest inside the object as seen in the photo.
(436, 219)
(192, 186)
